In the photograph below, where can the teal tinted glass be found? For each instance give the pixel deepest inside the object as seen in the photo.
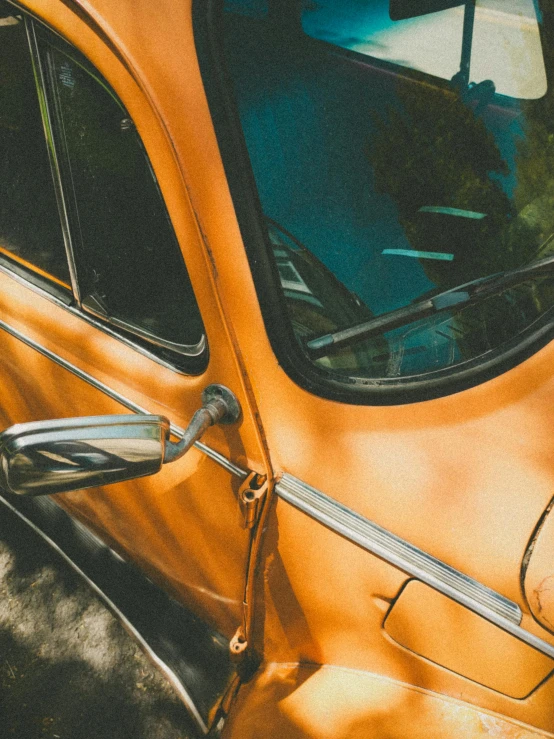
(411, 162)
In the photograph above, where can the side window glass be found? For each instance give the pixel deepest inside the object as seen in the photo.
(30, 231)
(129, 265)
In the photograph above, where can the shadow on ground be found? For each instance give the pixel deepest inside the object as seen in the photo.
(68, 669)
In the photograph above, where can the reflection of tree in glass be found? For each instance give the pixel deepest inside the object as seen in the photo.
(534, 195)
(130, 260)
(434, 150)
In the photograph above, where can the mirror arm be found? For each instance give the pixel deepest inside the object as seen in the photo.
(219, 405)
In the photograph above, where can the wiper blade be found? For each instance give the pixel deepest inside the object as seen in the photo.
(456, 297)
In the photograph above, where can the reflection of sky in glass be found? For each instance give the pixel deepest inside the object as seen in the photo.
(506, 42)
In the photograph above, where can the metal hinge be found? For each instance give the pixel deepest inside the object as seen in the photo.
(251, 495)
(238, 645)
(246, 660)
(251, 498)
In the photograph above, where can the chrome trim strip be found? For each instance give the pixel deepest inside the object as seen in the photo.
(89, 318)
(415, 562)
(82, 375)
(46, 115)
(395, 550)
(165, 669)
(212, 454)
(187, 350)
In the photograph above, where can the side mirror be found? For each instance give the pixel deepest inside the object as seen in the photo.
(401, 9)
(58, 456)
(49, 457)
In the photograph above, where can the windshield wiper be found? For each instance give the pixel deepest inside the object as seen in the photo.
(456, 297)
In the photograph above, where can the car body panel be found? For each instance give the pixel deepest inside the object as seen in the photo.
(464, 477)
(195, 488)
(163, 507)
(446, 633)
(294, 701)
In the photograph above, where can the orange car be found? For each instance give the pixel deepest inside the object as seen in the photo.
(276, 298)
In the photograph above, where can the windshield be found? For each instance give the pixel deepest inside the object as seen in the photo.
(505, 46)
(406, 158)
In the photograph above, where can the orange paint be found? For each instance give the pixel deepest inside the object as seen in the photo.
(464, 477)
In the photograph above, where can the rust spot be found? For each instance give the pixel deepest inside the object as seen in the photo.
(544, 596)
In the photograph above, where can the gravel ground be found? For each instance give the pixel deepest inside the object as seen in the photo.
(68, 669)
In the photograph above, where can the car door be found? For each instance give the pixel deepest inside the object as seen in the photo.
(408, 570)
(108, 298)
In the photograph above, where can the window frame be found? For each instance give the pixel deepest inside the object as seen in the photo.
(183, 359)
(218, 84)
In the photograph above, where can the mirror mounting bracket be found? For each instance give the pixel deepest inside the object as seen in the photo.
(219, 405)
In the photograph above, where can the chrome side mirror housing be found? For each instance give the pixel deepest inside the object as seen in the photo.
(49, 457)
